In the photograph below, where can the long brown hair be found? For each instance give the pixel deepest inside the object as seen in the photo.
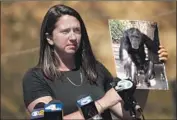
(84, 57)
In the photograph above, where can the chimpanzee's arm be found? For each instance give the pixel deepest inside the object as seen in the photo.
(149, 71)
(123, 46)
(150, 44)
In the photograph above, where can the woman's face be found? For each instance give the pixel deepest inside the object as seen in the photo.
(66, 36)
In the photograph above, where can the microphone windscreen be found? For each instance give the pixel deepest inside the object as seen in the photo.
(87, 107)
(39, 105)
(54, 101)
(53, 110)
(38, 112)
(81, 97)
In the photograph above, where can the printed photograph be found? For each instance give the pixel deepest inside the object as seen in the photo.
(135, 45)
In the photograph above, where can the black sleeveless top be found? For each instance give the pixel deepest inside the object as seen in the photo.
(35, 85)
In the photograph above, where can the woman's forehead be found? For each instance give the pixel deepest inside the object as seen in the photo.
(66, 21)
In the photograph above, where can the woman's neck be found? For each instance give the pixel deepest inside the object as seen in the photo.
(66, 62)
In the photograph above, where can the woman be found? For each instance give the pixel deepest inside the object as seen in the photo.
(67, 68)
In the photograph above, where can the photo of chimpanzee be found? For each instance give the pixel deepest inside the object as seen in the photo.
(132, 43)
(135, 53)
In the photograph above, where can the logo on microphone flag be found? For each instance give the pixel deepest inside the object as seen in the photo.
(37, 113)
(84, 101)
(53, 107)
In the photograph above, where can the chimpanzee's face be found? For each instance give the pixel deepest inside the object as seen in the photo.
(135, 37)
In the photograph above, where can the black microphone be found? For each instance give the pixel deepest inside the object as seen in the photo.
(38, 112)
(53, 110)
(126, 88)
(88, 109)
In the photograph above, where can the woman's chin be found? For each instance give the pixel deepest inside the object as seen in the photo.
(71, 51)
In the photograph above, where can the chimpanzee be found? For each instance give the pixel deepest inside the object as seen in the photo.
(132, 43)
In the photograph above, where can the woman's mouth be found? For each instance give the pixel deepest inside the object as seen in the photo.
(72, 46)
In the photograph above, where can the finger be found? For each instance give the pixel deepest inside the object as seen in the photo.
(160, 46)
(163, 59)
(162, 50)
(163, 54)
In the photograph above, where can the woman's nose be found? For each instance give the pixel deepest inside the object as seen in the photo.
(72, 35)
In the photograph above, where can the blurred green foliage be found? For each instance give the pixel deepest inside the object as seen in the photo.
(116, 30)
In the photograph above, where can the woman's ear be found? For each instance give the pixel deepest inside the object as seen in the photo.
(49, 39)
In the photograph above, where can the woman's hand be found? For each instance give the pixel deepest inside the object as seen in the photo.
(163, 54)
(110, 99)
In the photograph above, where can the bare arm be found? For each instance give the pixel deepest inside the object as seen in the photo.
(119, 112)
(141, 97)
(45, 99)
(78, 114)
(74, 115)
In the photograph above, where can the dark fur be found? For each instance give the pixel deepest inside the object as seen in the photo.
(133, 37)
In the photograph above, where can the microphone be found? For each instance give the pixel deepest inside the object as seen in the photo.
(53, 110)
(126, 88)
(38, 112)
(88, 109)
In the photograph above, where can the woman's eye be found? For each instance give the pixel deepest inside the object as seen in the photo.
(77, 30)
(65, 31)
